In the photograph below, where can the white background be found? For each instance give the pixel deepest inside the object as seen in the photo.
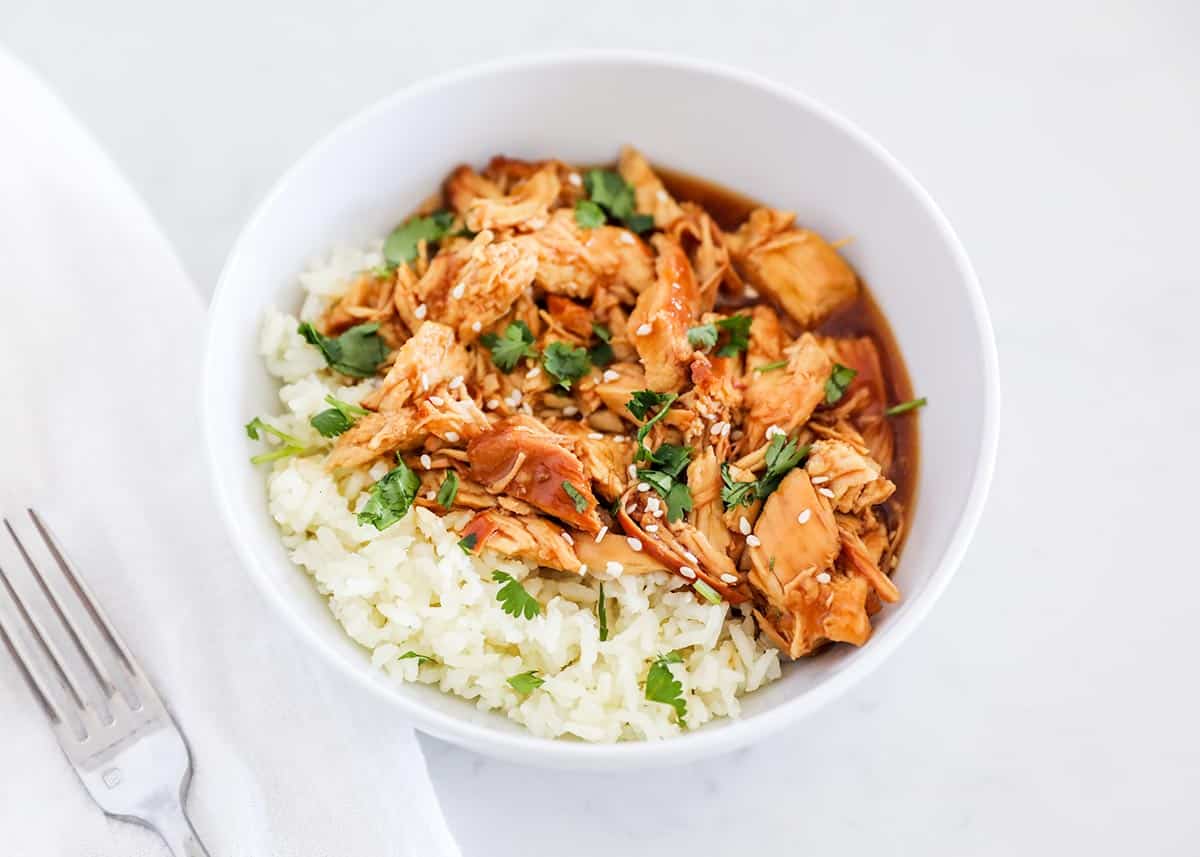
(1051, 702)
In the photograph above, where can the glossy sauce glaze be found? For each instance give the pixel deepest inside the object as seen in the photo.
(862, 318)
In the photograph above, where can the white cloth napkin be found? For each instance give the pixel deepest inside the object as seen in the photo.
(100, 340)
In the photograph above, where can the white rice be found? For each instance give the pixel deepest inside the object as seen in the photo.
(410, 588)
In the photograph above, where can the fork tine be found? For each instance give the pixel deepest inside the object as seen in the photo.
(59, 714)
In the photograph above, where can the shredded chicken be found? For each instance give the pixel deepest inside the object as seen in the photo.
(620, 403)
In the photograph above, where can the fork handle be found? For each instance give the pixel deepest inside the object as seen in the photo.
(171, 823)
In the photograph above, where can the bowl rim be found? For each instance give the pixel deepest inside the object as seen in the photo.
(733, 733)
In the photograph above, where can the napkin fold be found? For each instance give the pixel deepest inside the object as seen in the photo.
(100, 344)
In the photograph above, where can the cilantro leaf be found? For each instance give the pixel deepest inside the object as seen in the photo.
(421, 659)
(735, 493)
(660, 482)
(702, 335)
(782, 455)
(639, 405)
(577, 498)
(526, 683)
(738, 328)
(448, 491)
(771, 367)
(905, 407)
(391, 497)
(602, 332)
(291, 445)
(401, 245)
(615, 196)
(662, 686)
(666, 484)
(513, 598)
(338, 419)
(839, 380)
(601, 354)
(679, 502)
(588, 214)
(602, 614)
(357, 352)
(508, 349)
(671, 459)
(566, 363)
(468, 542)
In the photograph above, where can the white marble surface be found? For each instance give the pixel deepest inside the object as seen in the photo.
(1050, 703)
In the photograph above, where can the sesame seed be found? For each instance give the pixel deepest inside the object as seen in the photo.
(567, 537)
(493, 404)
(614, 568)
(691, 557)
(643, 487)
(753, 540)
(725, 429)
(458, 291)
(626, 238)
(570, 411)
(632, 471)
(424, 381)
(824, 577)
(715, 429)
(583, 569)
(804, 516)
(426, 461)
(729, 578)
(514, 398)
(826, 492)
(820, 480)
(656, 512)
(651, 528)
(574, 179)
(600, 535)
(455, 382)
(652, 504)
(643, 330)
(773, 430)
(477, 326)
(534, 372)
(620, 438)
(610, 375)
(689, 573)
(635, 544)
(595, 435)
(452, 436)
(660, 194)
(438, 401)
(421, 311)
(744, 526)
(430, 495)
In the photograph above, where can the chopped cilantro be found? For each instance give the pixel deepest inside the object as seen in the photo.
(421, 659)
(401, 245)
(839, 380)
(771, 367)
(577, 498)
(448, 491)
(662, 686)
(468, 542)
(291, 445)
(566, 363)
(782, 455)
(679, 502)
(671, 459)
(588, 214)
(357, 352)
(338, 419)
(707, 592)
(526, 683)
(513, 598)
(391, 497)
(508, 349)
(905, 407)
(639, 404)
(602, 613)
(702, 336)
(735, 493)
(602, 332)
(615, 196)
(738, 328)
(601, 354)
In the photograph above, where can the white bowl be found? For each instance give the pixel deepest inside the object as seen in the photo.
(734, 128)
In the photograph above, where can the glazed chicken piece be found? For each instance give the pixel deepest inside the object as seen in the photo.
(570, 316)
(429, 358)
(575, 262)
(716, 392)
(659, 323)
(786, 397)
(708, 512)
(507, 172)
(704, 243)
(614, 393)
(852, 478)
(524, 459)
(527, 204)
(605, 461)
(867, 391)
(796, 268)
(408, 428)
(471, 288)
(859, 559)
(368, 299)
(614, 547)
(464, 186)
(532, 539)
(650, 194)
(792, 568)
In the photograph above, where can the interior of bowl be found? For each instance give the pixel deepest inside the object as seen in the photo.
(748, 136)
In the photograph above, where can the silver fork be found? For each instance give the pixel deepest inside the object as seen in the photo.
(110, 723)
